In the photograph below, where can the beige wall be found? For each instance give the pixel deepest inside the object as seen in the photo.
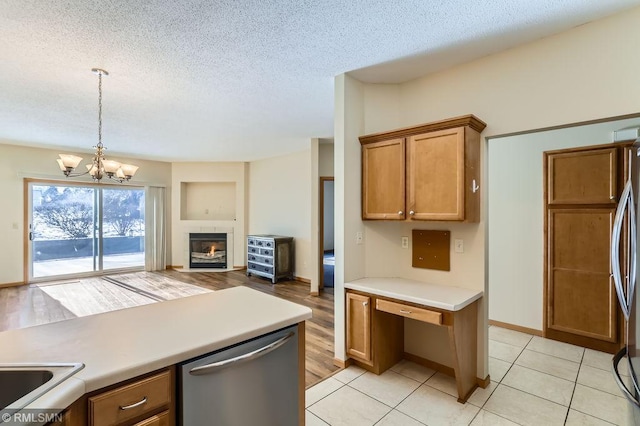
(17, 163)
(516, 216)
(325, 169)
(561, 79)
(209, 173)
(280, 203)
(326, 158)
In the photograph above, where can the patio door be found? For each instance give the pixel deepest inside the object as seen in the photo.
(81, 230)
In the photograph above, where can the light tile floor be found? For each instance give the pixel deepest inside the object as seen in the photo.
(534, 381)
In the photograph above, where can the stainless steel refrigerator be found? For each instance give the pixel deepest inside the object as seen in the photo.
(624, 260)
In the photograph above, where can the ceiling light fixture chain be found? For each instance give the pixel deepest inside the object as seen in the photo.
(99, 166)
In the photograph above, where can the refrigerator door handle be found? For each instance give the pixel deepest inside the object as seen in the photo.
(631, 258)
(616, 375)
(623, 298)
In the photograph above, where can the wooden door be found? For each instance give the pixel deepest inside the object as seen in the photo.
(383, 180)
(358, 326)
(582, 177)
(581, 296)
(435, 175)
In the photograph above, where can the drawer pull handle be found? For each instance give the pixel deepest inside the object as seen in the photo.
(402, 311)
(137, 404)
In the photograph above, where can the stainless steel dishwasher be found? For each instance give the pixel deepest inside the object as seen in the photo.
(252, 383)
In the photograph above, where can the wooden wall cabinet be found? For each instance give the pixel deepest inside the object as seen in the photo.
(426, 172)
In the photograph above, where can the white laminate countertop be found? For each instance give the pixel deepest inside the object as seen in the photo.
(119, 345)
(433, 295)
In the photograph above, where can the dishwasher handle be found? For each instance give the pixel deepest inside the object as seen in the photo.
(219, 365)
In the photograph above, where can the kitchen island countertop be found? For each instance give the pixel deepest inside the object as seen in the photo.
(119, 345)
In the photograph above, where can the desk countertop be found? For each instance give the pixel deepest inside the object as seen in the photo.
(432, 295)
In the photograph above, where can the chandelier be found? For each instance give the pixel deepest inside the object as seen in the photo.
(100, 167)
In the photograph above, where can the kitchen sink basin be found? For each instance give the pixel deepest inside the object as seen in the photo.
(21, 384)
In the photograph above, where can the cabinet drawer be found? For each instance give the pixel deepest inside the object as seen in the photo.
(161, 419)
(252, 249)
(266, 251)
(264, 243)
(261, 259)
(260, 268)
(251, 241)
(129, 401)
(408, 311)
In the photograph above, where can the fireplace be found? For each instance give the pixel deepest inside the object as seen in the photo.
(208, 250)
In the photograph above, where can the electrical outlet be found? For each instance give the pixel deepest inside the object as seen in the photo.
(358, 237)
(405, 242)
(458, 246)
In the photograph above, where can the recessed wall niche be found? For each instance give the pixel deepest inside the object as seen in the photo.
(207, 200)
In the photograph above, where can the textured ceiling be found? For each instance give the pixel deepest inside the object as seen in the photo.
(234, 80)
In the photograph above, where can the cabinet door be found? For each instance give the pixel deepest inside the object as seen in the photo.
(359, 326)
(582, 177)
(581, 296)
(435, 176)
(383, 180)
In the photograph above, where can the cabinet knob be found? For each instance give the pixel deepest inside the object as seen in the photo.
(412, 212)
(365, 303)
(612, 197)
(400, 213)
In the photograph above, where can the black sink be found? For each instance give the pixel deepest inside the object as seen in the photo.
(21, 384)
(16, 384)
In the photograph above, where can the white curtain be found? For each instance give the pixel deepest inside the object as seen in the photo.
(155, 241)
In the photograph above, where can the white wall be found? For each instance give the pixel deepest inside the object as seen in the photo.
(586, 73)
(516, 217)
(17, 163)
(280, 203)
(350, 257)
(206, 173)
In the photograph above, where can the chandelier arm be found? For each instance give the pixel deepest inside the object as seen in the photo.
(71, 174)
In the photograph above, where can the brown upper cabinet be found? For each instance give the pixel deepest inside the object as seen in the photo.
(425, 172)
(582, 177)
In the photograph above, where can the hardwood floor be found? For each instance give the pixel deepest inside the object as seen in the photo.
(319, 329)
(26, 306)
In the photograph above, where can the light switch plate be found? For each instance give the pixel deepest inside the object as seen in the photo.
(458, 245)
(358, 237)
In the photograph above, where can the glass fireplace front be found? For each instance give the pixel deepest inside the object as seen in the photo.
(208, 250)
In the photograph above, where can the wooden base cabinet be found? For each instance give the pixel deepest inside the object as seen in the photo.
(426, 172)
(374, 338)
(142, 401)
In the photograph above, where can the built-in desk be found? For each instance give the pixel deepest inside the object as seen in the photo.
(375, 308)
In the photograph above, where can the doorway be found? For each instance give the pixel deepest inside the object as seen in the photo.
(79, 230)
(328, 259)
